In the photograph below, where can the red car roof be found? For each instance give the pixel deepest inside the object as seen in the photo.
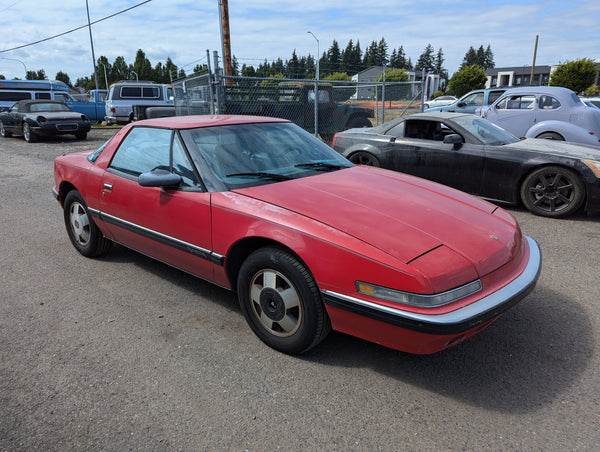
(188, 122)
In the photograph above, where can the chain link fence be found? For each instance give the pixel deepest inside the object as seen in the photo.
(331, 105)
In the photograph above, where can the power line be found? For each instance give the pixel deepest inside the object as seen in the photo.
(74, 29)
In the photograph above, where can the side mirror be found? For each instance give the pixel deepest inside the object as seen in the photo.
(159, 178)
(454, 139)
(461, 104)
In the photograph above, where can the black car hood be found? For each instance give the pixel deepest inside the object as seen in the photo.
(556, 147)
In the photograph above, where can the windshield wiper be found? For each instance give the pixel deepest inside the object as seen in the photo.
(320, 166)
(263, 175)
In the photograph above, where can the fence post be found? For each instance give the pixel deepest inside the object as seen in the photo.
(218, 83)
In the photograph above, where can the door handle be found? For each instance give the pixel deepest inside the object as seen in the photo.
(107, 186)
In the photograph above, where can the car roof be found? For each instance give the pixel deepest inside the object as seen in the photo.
(555, 90)
(189, 122)
(38, 101)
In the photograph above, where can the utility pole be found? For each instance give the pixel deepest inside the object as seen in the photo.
(225, 37)
(92, 44)
(533, 64)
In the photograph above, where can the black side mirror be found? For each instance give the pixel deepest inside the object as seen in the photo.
(454, 139)
(159, 178)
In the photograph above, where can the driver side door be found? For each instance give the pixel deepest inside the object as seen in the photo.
(171, 224)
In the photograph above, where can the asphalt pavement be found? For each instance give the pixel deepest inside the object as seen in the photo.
(125, 353)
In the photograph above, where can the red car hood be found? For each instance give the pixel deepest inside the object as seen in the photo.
(402, 215)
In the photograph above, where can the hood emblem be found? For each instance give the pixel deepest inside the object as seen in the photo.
(493, 236)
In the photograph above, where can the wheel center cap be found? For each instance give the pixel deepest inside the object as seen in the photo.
(272, 304)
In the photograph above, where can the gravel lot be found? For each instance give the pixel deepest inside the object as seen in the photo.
(124, 353)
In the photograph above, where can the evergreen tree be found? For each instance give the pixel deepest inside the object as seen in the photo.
(469, 59)
(426, 60)
(439, 65)
(142, 66)
(488, 61)
(61, 76)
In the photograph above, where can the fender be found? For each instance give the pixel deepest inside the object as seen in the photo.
(570, 132)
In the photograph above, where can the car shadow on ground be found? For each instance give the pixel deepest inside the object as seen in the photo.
(518, 364)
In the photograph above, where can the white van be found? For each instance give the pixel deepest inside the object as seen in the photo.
(122, 96)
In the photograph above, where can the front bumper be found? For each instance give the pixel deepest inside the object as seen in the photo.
(455, 322)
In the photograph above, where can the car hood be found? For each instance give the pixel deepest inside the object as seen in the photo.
(556, 147)
(404, 216)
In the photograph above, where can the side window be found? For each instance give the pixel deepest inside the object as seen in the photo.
(61, 97)
(142, 150)
(474, 99)
(182, 165)
(42, 95)
(493, 96)
(424, 130)
(397, 131)
(131, 91)
(150, 92)
(549, 103)
(517, 103)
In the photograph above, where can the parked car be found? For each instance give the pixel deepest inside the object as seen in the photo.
(439, 101)
(36, 118)
(591, 101)
(307, 239)
(549, 112)
(471, 101)
(122, 96)
(551, 178)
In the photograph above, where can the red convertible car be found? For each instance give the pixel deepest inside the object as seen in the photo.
(308, 240)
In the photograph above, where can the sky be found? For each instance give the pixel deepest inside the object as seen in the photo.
(184, 30)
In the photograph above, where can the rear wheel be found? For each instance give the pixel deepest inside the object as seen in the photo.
(83, 232)
(552, 191)
(28, 134)
(281, 301)
(364, 158)
(551, 136)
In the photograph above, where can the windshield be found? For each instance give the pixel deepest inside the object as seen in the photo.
(485, 131)
(245, 155)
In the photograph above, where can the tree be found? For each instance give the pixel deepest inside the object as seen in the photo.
(61, 76)
(576, 75)
(36, 75)
(426, 60)
(142, 66)
(395, 91)
(467, 79)
(438, 65)
(469, 59)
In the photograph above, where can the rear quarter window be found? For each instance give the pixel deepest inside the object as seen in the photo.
(13, 96)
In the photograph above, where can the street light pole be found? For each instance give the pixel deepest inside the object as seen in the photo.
(14, 59)
(92, 44)
(316, 89)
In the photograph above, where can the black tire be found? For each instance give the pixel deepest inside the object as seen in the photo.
(3, 132)
(364, 158)
(81, 135)
(28, 134)
(281, 301)
(552, 191)
(83, 232)
(357, 122)
(551, 136)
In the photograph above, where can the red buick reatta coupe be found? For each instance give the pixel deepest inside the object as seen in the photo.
(308, 240)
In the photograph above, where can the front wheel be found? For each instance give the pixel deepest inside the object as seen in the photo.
(81, 135)
(358, 122)
(364, 158)
(28, 134)
(3, 132)
(83, 232)
(552, 191)
(281, 301)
